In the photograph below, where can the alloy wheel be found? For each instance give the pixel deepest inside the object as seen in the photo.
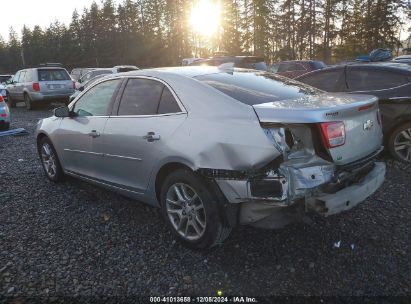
(402, 144)
(49, 160)
(186, 211)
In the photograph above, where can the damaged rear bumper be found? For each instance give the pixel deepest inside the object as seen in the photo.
(277, 211)
(347, 198)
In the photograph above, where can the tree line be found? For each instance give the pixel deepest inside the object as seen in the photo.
(152, 33)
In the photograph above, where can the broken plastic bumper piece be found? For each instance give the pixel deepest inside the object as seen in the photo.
(349, 197)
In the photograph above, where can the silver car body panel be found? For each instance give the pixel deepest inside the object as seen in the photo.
(213, 133)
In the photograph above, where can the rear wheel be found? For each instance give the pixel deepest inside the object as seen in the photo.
(11, 102)
(191, 211)
(399, 143)
(50, 160)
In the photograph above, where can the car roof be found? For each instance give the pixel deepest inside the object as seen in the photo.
(403, 57)
(388, 65)
(185, 71)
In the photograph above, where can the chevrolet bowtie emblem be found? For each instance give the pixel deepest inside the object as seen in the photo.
(368, 125)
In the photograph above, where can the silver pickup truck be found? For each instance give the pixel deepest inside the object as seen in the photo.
(216, 147)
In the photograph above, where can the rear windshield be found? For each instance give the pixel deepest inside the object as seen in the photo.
(254, 88)
(53, 75)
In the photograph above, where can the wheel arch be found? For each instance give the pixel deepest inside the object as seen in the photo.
(166, 170)
(403, 119)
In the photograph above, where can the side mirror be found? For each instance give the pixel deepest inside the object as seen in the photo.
(81, 89)
(62, 112)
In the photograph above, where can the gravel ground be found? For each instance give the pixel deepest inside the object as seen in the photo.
(77, 239)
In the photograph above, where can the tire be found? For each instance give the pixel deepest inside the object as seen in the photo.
(28, 102)
(49, 160)
(11, 102)
(399, 143)
(201, 211)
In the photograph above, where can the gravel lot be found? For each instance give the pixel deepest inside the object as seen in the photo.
(77, 239)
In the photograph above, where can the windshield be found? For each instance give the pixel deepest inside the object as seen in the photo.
(254, 88)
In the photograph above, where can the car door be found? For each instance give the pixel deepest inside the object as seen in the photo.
(136, 136)
(391, 87)
(20, 86)
(12, 87)
(79, 138)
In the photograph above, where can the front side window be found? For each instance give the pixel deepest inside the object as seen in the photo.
(97, 100)
(140, 97)
(16, 77)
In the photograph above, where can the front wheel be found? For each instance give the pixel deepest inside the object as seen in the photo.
(191, 211)
(399, 143)
(50, 160)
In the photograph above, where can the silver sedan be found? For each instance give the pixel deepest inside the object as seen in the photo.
(215, 147)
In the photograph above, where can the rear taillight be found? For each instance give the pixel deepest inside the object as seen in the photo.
(333, 133)
(1, 98)
(36, 86)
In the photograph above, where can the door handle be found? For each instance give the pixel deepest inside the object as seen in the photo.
(94, 134)
(151, 136)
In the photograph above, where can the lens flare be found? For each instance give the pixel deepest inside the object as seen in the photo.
(205, 17)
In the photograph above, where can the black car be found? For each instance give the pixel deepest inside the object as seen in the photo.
(246, 62)
(390, 82)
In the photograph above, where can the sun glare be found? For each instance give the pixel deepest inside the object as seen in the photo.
(205, 17)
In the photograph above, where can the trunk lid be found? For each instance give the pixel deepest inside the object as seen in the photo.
(359, 113)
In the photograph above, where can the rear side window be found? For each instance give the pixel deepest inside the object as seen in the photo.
(324, 80)
(254, 88)
(53, 75)
(29, 76)
(168, 104)
(372, 79)
(96, 101)
(140, 97)
(22, 78)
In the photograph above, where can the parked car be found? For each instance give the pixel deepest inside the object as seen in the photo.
(390, 82)
(295, 68)
(3, 92)
(39, 85)
(77, 73)
(124, 68)
(90, 75)
(403, 59)
(5, 78)
(4, 115)
(103, 71)
(248, 149)
(246, 62)
(188, 61)
(82, 87)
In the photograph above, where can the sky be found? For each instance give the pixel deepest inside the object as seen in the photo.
(16, 13)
